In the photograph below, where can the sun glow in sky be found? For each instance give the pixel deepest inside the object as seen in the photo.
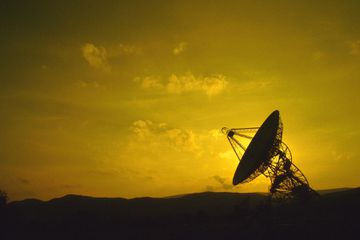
(127, 98)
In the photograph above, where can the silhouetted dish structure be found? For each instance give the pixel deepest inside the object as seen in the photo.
(257, 155)
(267, 154)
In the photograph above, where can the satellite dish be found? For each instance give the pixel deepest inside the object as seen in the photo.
(267, 154)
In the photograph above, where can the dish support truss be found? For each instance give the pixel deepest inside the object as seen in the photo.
(287, 181)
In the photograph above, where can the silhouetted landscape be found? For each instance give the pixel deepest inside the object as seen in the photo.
(208, 215)
(146, 99)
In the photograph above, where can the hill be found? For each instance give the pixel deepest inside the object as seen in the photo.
(206, 215)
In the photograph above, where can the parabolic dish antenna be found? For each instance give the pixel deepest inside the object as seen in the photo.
(266, 154)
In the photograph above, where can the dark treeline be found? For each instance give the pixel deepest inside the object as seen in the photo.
(195, 216)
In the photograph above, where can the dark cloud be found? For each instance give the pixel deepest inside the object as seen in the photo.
(24, 181)
(209, 188)
(222, 182)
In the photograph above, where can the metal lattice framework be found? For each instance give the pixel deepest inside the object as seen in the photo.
(287, 181)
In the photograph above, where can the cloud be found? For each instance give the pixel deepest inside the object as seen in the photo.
(170, 154)
(209, 188)
(228, 155)
(124, 49)
(180, 48)
(355, 48)
(222, 182)
(160, 134)
(24, 181)
(342, 156)
(84, 84)
(216, 133)
(150, 83)
(182, 139)
(146, 128)
(211, 85)
(254, 81)
(90, 85)
(178, 84)
(96, 57)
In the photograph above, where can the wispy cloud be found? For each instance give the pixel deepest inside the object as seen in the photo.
(90, 85)
(150, 82)
(123, 49)
(155, 148)
(160, 134)
(178, 84)
(228, 155)
(180, 48)
(96, 57)
(211, 85)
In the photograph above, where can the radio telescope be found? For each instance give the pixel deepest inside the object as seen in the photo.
(267, 154)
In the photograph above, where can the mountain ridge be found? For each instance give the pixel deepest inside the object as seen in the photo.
(72, 195)
(207, 215)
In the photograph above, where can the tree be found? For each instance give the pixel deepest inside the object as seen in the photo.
(3, 198)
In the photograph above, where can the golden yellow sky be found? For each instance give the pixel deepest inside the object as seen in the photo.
(126, 98)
